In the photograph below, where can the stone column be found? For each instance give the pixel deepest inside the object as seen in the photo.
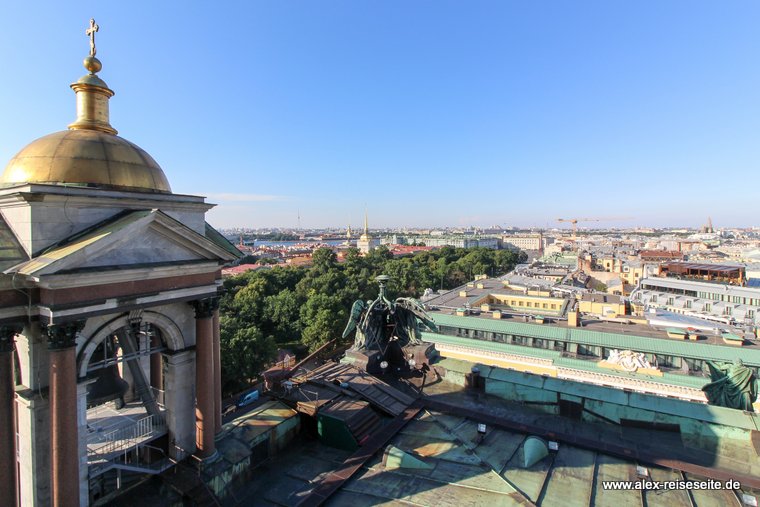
(179, 383)
(8, 466)
(64, 434)
(84, 469)
(217, 373)
(204, 377)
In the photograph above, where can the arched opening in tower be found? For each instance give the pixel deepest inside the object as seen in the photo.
(126, 429)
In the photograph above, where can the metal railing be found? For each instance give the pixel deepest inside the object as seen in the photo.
(104, 444)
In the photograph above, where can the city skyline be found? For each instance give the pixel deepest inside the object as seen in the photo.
(426, 114)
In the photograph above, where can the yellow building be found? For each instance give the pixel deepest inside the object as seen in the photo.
(602, 304)
(632, 273)
(523, 303)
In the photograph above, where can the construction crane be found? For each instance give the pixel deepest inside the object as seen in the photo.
(575, 221)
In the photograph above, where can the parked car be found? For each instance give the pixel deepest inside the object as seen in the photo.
(247, 398)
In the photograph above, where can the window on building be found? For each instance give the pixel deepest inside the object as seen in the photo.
(665, 361)
(695, 365)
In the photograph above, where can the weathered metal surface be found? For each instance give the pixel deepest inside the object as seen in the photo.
(712, 497)
(614, 469)
(529, 481)
(534, 449)
(663, 497)
(571, 480)
(374, 390)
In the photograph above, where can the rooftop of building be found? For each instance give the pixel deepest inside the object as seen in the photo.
(701, 286)
(715, 268)
(441, 458)
(624, 333)
(661, 253)
(596, 297)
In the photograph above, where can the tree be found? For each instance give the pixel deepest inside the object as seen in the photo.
(282, 310)
(323, 260)
(245, 352)
(324, 317)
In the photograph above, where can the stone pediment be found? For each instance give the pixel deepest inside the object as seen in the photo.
(11, 251)
(131, 239)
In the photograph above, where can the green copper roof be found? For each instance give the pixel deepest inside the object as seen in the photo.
(214, 235)
(626, 341)
(559, 361)
(491, 346)
(700, 412)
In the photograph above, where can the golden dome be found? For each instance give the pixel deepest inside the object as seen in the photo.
(87, 158)
(90, 153)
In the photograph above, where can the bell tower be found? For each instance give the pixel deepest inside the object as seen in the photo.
(109, 324)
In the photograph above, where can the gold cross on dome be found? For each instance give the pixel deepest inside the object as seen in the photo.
(91, 33)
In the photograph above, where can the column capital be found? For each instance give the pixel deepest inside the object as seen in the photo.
(7, 334)
(63, 335)
(204, 308)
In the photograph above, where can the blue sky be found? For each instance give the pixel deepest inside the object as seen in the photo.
(429, 113)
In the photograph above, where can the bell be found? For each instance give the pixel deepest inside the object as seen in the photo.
(107, 386)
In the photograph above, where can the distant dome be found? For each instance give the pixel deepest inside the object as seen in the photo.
(88, 158)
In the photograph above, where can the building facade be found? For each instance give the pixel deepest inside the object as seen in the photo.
(723, 303)
(532, 242)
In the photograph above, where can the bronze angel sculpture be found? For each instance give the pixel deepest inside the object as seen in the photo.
(380, 322)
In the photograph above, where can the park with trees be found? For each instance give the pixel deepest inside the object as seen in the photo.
(300, 308)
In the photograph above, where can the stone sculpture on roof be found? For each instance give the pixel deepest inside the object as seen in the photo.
(628, 360)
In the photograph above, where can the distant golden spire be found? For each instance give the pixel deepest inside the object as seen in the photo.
(365, 236)
(92, 93)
